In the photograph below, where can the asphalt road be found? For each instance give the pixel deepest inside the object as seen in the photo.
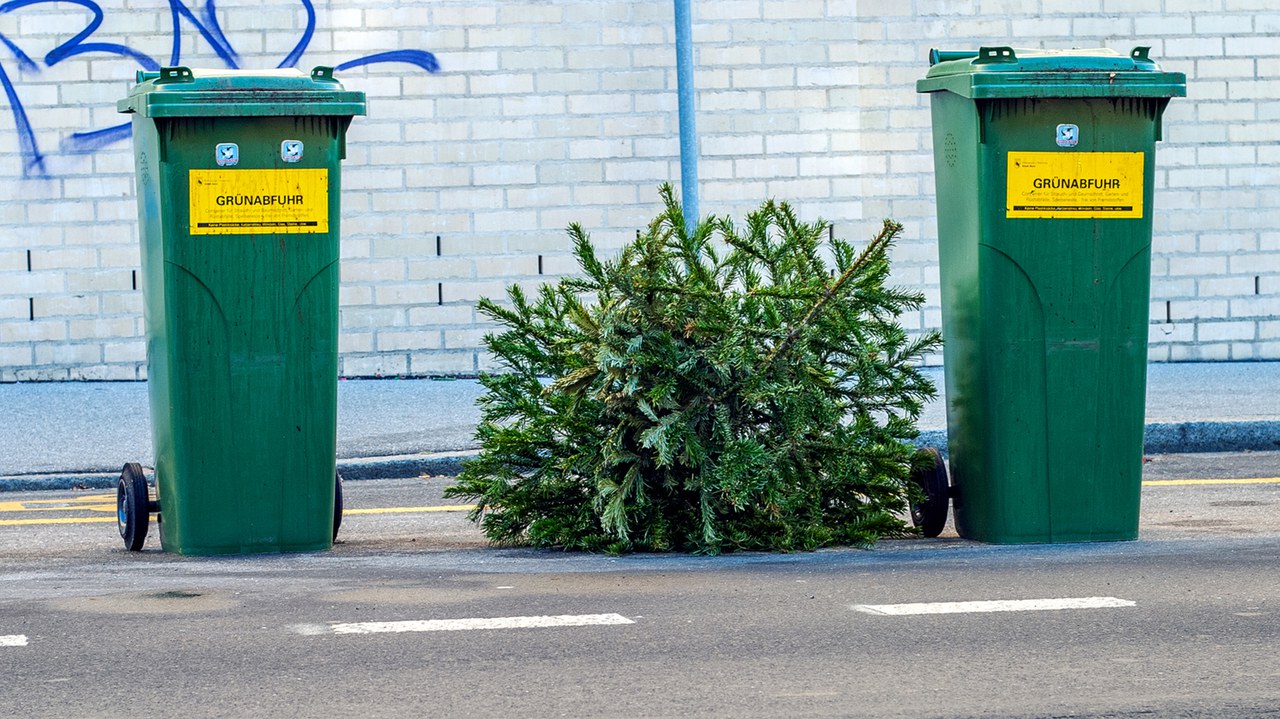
(1186, 624)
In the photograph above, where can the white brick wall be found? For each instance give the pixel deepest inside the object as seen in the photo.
(546, 113)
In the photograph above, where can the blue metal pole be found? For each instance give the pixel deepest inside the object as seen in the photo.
(688, 127)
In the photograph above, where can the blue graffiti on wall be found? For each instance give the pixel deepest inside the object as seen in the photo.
(205, 23)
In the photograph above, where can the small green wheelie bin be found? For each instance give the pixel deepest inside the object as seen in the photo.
(238, 202)
(1044, 164)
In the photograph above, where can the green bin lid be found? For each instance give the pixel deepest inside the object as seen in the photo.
(996, 72)
(183, 92)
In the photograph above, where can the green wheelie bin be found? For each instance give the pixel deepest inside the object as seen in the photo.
(238, 189)
(1044, 164)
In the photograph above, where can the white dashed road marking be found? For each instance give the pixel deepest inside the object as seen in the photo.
(1009, 605)
(454, 625)
(13, 640)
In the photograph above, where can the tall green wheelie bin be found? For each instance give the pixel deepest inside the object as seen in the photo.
(1044, 164)
(238, 189)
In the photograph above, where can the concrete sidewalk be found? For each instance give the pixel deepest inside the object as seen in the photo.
(62, 434)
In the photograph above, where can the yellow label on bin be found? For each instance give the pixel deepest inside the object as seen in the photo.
(250, 202)
(1075, 184)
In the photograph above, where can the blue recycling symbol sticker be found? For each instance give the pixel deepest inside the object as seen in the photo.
(1068, 135)
(227, 154)
(291, 150)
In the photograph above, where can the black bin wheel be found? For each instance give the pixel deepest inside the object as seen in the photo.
(930, 513)
(337, 504)
(132, 506)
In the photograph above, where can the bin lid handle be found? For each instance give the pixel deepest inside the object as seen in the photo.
(988, 55)
(936, 56)
(321, 72)
(174, 74)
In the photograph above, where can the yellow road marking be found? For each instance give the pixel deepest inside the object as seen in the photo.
(82, 508)
(112, 509)
(62, 505)
(411, 510)
(55, 520)
(1189, 482)
(93, 504)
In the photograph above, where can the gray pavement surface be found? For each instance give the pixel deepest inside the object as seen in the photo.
(742, 635)
(60, 434)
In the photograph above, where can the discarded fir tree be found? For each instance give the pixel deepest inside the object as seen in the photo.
(713, 388)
